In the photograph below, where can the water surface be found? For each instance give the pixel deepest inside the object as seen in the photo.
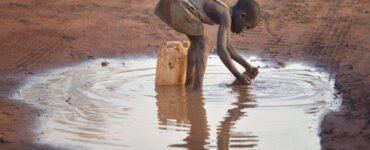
(119, 107)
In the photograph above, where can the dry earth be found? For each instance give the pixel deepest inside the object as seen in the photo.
(40, 34)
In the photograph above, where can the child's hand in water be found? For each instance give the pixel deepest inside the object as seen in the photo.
(247, 79)
(248, 75)
(252, 72)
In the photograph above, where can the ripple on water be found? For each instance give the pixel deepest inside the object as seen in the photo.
(94, 107)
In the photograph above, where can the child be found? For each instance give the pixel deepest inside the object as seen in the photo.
(188, 16)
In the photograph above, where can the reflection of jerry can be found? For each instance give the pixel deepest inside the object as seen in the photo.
(172, 105)
(171, 63)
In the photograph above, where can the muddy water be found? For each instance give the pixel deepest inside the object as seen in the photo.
(119, 107)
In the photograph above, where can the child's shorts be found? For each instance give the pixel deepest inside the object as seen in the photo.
(181, 15)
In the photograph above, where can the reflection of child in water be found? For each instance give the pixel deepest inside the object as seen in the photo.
(187, 108)
(188, 16)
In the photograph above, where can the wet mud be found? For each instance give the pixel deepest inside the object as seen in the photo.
(117, 106)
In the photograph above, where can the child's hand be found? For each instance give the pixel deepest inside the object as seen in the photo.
(248, 81)
(252, 72)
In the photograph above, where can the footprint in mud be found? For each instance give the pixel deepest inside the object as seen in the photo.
(119, 106)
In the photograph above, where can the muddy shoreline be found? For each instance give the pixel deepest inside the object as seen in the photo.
(39, 35)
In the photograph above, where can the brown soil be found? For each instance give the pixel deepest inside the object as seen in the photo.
(40, 34)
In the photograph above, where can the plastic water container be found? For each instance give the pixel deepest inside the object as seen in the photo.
(171, 63)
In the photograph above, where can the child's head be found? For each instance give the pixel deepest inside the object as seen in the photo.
(245, 14)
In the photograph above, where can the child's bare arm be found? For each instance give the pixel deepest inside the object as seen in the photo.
(222, 44)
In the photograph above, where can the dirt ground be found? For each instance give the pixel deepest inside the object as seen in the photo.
(39, 34)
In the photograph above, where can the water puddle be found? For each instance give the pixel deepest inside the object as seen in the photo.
(119, 107)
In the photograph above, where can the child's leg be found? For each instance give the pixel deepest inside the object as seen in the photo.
(191, 62)
(199, 56)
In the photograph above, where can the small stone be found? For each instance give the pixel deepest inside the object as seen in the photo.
(104, 64)
(68, 37)
(280, 64)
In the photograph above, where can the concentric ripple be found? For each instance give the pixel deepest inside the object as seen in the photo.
(119, 107)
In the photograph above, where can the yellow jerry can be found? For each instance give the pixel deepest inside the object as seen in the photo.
(171, 63)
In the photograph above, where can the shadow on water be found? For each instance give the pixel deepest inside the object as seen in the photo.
(118, 106)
